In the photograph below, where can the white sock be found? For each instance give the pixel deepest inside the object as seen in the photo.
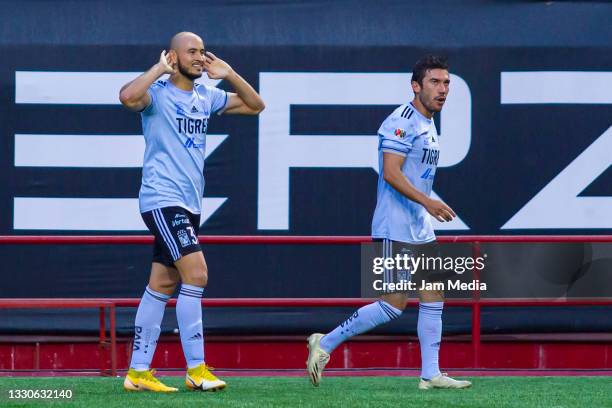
(364, 319)
(147, 328)
(189, 316)
(429, 329)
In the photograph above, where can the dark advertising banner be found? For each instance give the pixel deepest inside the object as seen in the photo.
(525, 148)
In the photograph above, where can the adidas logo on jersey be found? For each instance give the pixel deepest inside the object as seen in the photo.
(194, 109)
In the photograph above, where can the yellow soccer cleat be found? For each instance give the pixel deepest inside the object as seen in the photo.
(144, 381)
(200, 378)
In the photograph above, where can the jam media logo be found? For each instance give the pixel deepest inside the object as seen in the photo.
(73, 151)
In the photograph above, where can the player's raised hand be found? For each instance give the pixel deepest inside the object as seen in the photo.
(216, 67)
(439, 210)
(168, 61)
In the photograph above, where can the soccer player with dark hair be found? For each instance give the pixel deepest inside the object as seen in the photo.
(175, 114)
(408, 156)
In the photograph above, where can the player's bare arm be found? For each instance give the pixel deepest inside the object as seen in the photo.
(245, 101)
(134, 95)
(392, 173)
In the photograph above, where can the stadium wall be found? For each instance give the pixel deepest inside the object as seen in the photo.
(527, 127)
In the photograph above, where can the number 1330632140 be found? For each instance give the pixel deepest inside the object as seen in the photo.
(30, 394)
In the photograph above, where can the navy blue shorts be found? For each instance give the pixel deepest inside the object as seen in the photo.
(176, 233)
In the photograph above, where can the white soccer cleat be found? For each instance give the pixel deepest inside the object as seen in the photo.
(317, 358)
(443, 381)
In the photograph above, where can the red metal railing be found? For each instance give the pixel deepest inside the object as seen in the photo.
(282, 239)
(475, 303)
(100, 304)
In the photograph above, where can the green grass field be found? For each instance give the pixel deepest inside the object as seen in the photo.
(345, 392)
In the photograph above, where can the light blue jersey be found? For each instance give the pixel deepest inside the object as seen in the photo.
(174, 127)
(407, 133)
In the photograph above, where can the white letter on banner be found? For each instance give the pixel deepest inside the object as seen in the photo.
(557, 205)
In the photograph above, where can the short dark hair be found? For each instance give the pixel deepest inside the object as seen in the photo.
(425, 64)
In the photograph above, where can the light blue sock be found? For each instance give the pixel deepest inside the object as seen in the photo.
(147, 328)
(364, 319)
(189, 316)
(429, 329)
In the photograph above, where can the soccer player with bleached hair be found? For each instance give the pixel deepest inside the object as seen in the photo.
(175, 114)
(408, 156)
